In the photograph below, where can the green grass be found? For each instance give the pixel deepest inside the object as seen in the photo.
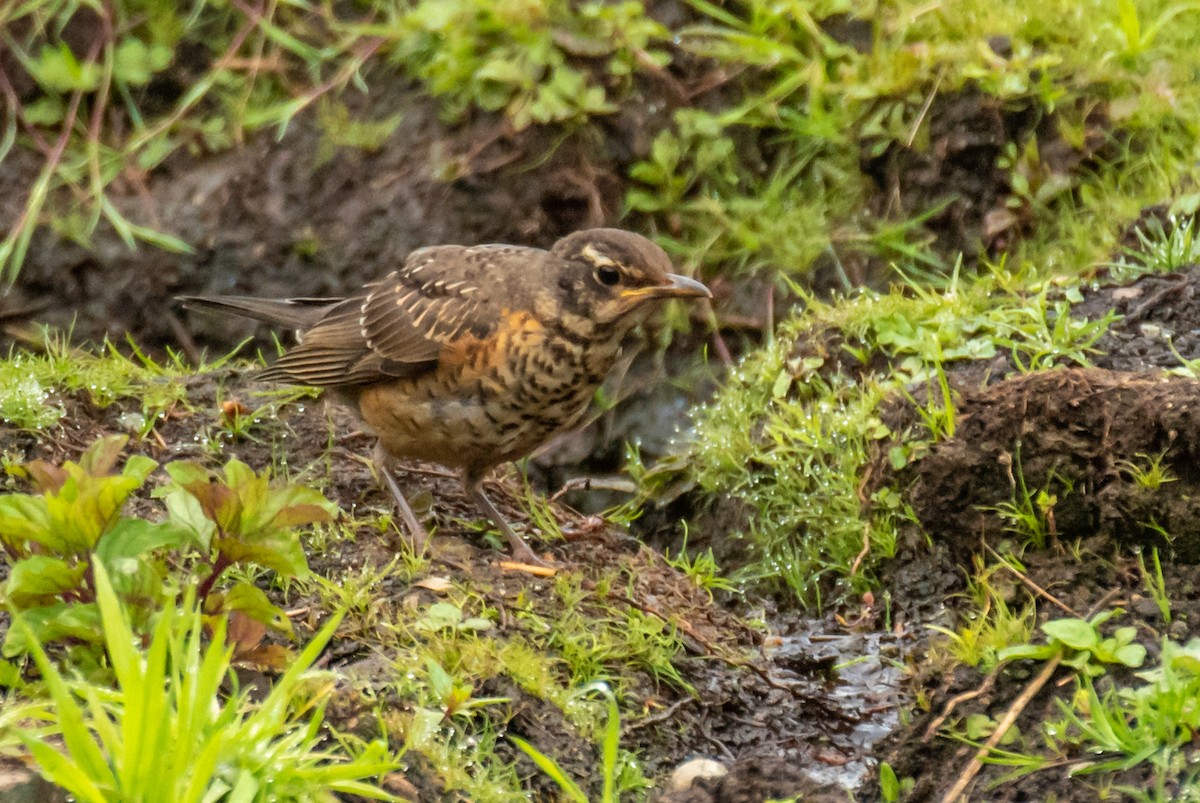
(34, 385)
(163, 729)
(756, 178)
(760, 177)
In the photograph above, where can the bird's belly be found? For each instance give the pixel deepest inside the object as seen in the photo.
(483, 425)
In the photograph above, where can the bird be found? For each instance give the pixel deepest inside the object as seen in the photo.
(472, 356)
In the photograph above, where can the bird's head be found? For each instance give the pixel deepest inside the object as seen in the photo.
(614, 275)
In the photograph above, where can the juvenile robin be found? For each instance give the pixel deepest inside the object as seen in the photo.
(472, 356)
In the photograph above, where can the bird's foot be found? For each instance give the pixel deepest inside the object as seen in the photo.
(521, 552)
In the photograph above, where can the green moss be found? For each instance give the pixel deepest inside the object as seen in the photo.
(33, 386)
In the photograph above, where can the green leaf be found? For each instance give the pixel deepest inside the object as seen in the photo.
(889, 785)
(551, 768)
(281, 553)
(184, 509)
(139, 467)
(10, 676)
(23, 519)
(78, 621)
(132, 538)
(439, 616)
(1033, 652)
(135, 63)
(39, 580)
(252, 601)
(57, 69)
(48, 110)
(186, 472)
(979, 726)
(440, 681)
(1074, 633)
(1132, 655)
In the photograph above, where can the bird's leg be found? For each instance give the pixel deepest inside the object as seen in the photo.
(473, 483)
(416, 530)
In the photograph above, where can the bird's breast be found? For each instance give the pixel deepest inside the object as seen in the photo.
(493, 399)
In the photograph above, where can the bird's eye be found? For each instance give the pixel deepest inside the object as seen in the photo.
(608, 275)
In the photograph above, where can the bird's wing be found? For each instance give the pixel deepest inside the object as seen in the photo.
(400, 324)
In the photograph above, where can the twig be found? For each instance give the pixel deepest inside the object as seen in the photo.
(661, 716)
(619, 484)
(916, 126)
(528, 568)
(866, 550)
(973, 767)
(953, 702)
(719, 345)
(1032, 585)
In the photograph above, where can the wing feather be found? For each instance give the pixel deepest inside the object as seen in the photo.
(400, 324)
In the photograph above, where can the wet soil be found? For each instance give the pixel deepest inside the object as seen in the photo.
(1085, 436)
(750, 696)
(801, 710)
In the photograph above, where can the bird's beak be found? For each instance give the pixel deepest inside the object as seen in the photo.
(676, 287)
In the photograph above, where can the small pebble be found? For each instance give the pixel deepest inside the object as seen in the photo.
(687, 773)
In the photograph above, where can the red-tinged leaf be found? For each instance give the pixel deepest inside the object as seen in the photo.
(48, 478)
(296, 515)
(219, 503)
(271, 502)
(281, 553)
(102, 455)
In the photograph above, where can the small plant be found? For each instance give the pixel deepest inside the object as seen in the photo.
(455, 698)
(701, 567)
(164, 731)
(55, 538)
(1041, 334)
(1153, 723)
(1155, 584)
(1151, 474)
(938, 413)
(891, 788)
(1031, 515)
(992, 624)
(1082, 646)
(1162, 247)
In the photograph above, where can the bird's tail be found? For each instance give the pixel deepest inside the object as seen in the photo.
(293, 313)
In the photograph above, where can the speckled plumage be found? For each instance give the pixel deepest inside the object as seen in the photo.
(474, 356)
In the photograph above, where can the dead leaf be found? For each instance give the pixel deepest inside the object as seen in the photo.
(267, 657)
(244, 633)
(438, 585)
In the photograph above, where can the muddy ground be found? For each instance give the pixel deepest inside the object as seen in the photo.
(802, 707)
(1082, 434)
(771, 698)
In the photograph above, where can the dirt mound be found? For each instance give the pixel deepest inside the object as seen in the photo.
(1110, 453)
